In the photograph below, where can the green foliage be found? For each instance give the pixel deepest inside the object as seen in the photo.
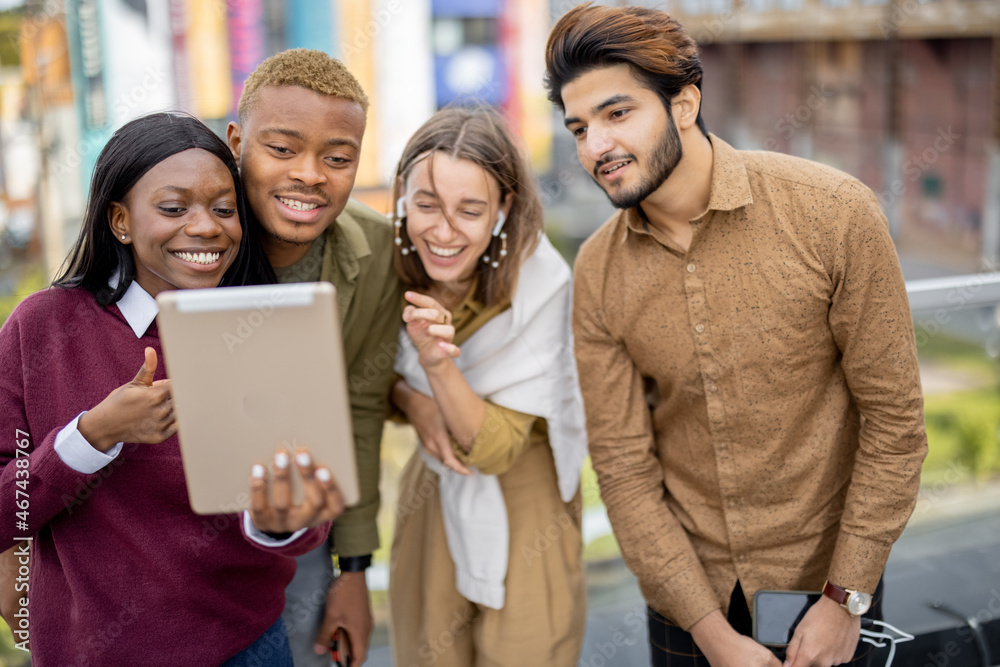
(958, 355)
(33, 281)
(601, 549)
(10, 53)
(10, 656)
(561, 242)
(589, 488)
(963, 427)
(962, 430)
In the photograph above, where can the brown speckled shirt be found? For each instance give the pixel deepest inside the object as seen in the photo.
(753, 404)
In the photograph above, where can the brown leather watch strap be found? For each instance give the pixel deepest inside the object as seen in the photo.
(835, 593)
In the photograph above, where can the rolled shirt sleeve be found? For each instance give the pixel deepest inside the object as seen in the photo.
(503, 437)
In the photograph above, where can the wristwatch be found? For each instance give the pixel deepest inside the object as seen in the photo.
(354, 563)
(855, 602)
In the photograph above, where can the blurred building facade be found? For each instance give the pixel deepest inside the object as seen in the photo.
(901, 93)
(88, 66)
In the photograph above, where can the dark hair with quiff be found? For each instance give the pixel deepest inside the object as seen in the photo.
(652, 43)
(306, 68)
(476, 134)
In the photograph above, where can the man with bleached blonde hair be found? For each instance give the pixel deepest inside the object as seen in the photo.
(301, 119)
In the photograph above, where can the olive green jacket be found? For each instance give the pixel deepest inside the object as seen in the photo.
(357, 259)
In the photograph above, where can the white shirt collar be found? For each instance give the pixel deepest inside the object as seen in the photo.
(138, 307)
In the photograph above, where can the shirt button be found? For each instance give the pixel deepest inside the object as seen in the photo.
(691, 267)
(699, 327)
(712, 388)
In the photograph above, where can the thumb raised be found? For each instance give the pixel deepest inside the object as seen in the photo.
(148, 368)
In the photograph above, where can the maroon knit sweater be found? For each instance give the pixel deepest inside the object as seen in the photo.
(122, 571)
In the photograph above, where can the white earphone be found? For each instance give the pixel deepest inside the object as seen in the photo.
(501, 218)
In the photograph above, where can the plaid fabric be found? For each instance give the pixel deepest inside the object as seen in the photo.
(670, 646)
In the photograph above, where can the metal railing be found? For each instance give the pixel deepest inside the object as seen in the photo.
(954, 292)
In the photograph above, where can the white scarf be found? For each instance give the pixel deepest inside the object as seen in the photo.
(522, 359)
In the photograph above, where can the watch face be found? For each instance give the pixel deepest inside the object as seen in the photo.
(858, 603)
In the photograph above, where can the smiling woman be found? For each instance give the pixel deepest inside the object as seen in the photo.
(484, 176)
(181, 221)
(500, 418)
(153, 165)
(115, 546)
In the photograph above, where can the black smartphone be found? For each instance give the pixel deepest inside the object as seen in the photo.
(777, 613)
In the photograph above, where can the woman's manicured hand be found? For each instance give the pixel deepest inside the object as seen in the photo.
(429, 326)
(275, 512)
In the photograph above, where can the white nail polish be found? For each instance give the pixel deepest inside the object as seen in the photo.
(281, 460)
(257, 471)
(323, 475)
(303, 459)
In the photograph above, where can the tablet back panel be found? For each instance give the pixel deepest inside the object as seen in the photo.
(253, 369)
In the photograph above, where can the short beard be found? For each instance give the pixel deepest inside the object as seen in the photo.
(662, 161)
(289, 241)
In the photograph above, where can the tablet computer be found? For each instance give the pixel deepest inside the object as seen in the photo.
(253, 369)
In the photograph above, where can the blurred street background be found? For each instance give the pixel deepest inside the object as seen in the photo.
(903, 94)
